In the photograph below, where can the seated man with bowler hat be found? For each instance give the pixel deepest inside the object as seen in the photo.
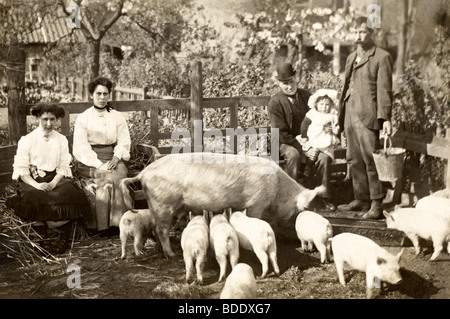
(287, 110)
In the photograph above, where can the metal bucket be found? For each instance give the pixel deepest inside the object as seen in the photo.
(389, 162)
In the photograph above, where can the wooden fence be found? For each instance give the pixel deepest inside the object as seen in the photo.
(434, 146)
(193, 106)
(75, 86)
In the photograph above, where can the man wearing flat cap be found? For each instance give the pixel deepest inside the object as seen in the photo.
(287, 109)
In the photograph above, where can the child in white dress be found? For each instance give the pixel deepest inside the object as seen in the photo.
(320, 126)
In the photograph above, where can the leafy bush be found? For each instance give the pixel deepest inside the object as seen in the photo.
(422, 107)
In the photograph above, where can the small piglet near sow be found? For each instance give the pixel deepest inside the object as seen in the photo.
(363, 254)
(138, 224)
(312, 229)
(257, 235)
(415, 223)
(240, 284)
(195, 243)
(224, 242)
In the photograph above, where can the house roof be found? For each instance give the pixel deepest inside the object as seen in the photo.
(49, 32)
(48, 29)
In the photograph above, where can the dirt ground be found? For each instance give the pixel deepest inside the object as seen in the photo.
(104, 276)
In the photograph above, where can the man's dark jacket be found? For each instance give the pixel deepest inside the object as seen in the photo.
(281, 115)
(371, 87)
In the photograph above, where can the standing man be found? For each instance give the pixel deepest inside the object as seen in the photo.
(365, 109)
(287, 110)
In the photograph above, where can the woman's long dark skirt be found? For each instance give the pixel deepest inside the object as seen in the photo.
(65, 201)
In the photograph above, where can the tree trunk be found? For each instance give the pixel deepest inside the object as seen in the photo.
(94, 46)
(300, 58)
(15, 77)
(346, 6)
(402, 42)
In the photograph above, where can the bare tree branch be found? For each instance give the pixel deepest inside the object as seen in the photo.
(109, 21)
(153, 34)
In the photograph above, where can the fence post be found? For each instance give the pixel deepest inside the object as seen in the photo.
(154, 132)
(65, 126)
(113, 94)
(196, 103)
(234, 108)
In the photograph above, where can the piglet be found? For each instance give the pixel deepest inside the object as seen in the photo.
(435, 205)
(257, 235)
(312, 229)
(224, 242)
(195, 243)
(138, 224)
(445, 193)
(363, 254)
(415, 223)
(240, 284)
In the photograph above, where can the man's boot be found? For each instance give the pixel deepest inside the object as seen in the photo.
(355, 205)
(376, 210)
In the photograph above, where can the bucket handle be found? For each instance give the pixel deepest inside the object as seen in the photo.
(386, 138)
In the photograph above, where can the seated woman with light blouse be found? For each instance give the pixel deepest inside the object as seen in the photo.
(101, 143)
(46, 194)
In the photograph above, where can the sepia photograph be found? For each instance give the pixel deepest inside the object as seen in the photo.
(191, 151)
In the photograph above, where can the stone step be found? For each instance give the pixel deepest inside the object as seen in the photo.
(374, 229)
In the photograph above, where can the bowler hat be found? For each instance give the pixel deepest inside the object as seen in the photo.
(285, 71)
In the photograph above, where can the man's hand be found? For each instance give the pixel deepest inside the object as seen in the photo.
(387, 128)
(312, 154)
